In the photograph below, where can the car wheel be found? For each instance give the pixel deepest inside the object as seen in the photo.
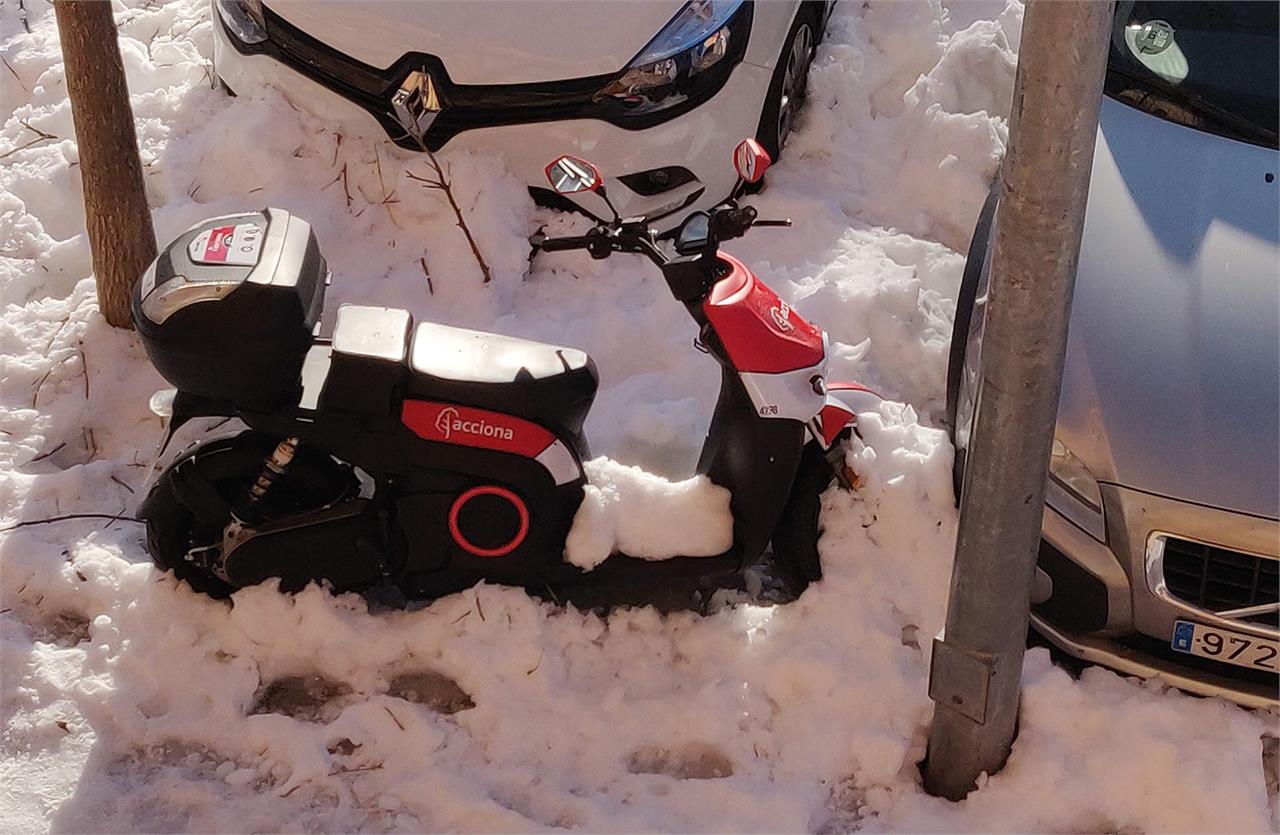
(787, 88)
(964, 363)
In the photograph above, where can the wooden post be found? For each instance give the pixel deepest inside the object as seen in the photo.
(121, 238)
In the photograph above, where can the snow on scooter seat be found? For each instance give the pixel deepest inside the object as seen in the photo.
(627, 510)
(131, 703)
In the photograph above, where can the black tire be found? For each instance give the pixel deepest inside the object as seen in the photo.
(787, 88)
(169, 532)
(228, 466)
(796, 560)
(963, 325)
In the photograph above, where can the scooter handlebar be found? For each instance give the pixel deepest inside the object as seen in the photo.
(732, 222)
(541, 241)
(603, 241)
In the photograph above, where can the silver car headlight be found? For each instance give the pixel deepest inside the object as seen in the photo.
(1070, 472)
(1073, 491)
(679, 58)
(243, 18)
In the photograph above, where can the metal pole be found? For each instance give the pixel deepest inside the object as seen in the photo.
(976, 667)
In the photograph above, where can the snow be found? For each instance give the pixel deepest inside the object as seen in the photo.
(131, 703)
(628, 510)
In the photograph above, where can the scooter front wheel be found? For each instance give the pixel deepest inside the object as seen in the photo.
(796, 561)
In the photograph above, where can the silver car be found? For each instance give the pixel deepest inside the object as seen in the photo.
(1160, 544)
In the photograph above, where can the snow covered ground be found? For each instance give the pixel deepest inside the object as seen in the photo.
(130, 703)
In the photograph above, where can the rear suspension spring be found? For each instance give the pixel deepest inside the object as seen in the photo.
(272, 468)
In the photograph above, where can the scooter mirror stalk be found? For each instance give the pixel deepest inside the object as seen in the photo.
(571, 175)
(751, 160)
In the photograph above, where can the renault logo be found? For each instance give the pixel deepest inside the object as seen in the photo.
(416, 104)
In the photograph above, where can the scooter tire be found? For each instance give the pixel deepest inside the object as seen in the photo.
(229, 465)
(796, 560)
(168, 535)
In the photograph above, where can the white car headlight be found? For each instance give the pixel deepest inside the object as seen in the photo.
(698, 38)
(243, 18)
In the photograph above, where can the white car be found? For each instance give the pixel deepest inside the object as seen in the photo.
(657, 92)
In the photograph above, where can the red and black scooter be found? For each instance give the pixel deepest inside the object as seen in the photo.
(422, 459)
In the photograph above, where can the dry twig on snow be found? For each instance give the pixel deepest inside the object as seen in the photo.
(41, 136)
(441, 182)
(430, 287)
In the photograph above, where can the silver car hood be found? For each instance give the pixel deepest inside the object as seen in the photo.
(1172, 384)
(486, 42)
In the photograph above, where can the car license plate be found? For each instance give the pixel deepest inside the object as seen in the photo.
(1225, 645)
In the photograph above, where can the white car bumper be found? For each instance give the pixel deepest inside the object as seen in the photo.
(701, 140)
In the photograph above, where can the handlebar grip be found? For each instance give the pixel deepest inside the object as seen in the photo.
(560, 244)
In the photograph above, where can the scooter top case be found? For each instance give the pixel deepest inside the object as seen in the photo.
(228, 310)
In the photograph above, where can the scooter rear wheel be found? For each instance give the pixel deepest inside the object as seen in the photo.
(229, 466)
(170, 535)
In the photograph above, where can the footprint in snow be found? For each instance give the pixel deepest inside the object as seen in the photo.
(432, 690)
(314, 698)
(692, 761)
(309, 698)
(66, 628)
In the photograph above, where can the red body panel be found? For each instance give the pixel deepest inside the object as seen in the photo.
(760, 332)
(833, 420)
(836, 385)
(844, 400)
(854, 394)
(448, 423)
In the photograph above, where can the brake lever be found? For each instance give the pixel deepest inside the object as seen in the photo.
(535, 246)
(783, 222)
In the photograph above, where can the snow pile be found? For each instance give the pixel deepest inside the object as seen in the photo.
(130, 703)
(628, 510)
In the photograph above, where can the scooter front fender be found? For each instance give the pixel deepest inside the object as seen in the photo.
(756, 459)
(843, 402)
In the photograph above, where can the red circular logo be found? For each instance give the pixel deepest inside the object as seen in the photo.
(489, 490)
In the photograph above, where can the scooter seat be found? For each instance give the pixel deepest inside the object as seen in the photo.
(548, 384)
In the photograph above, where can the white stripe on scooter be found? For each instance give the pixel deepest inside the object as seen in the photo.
(560, 463)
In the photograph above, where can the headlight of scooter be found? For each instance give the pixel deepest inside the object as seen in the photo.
(678, 63)
(243, 18)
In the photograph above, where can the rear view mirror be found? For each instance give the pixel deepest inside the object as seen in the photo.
(570, 175)
(750, 159)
